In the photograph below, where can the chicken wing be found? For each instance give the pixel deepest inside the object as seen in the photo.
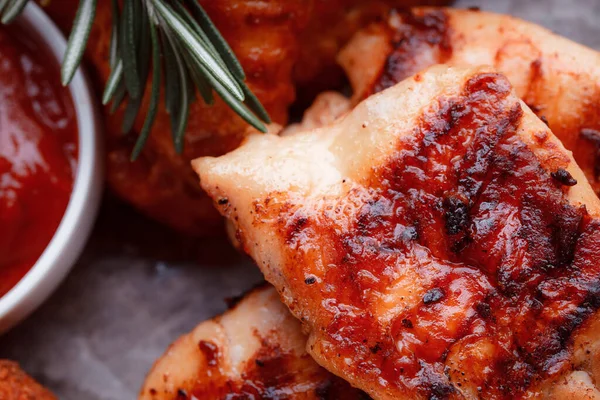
(436, 242)
(17, 385)
(255, 350)
(557, 78)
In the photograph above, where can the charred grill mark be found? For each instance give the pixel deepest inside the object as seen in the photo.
(484, 310)
(373, 214)
(566, 233)
(593, 136)
(470, 213)
(416, 35)
(272, 373)
(375, 349)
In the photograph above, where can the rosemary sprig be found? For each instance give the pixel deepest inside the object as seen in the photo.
(152, 36)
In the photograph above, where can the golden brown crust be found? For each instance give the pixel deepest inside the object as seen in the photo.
(17, 385)
(557, 78)
(447, 256)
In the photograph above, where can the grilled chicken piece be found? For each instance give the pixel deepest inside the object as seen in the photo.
(255, 350)
(436, 242)
(17, 385)
(280, 43)
(557, 78)
(334, 23)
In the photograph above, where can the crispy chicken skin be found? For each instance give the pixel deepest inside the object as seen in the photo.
(436, 242)
(280, 43)
(557, 78)
(17, 385)
(255, 350)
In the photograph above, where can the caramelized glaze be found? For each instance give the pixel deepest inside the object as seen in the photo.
(557, 78)
(455, 264)
(419, 34)
(274, 373)
(502, 258)
(255, 350)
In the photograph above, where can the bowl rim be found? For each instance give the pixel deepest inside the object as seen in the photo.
(71, 235)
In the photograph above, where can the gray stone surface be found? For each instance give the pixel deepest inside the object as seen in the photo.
(131, 294)
(133, 291)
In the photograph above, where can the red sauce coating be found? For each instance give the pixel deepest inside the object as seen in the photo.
(271, 373)
(279, 368)
(420, 41)
(498, 269)
(419, 38)
(38, 152)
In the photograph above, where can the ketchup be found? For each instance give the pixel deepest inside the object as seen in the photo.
(38, 152)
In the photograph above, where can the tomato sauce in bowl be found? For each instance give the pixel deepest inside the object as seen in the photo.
(38, 152)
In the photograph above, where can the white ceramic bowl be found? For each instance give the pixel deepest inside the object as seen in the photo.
(75, 227)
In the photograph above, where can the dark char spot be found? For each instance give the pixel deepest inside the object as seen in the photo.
(433, 296)
(310, 280)
(564, 177)
(407, 323)
(457, 215)
(484, 310)
(375, 349)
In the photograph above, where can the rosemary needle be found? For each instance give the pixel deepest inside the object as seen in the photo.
(171, 38)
